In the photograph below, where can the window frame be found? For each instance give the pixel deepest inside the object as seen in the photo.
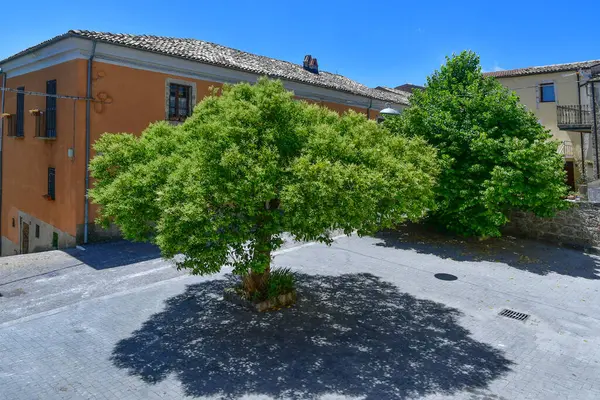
(188, 94)
(546, 84)
(192, 98)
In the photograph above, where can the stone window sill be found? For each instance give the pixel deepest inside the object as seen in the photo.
(45, 138)
(175, 123)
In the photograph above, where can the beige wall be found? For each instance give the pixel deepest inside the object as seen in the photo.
(566, 93)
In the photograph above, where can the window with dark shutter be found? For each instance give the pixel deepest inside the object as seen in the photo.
(51, 109)
(179, 102)
(20, 112)
(51, 183)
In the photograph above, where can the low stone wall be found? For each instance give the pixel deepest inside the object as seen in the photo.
(577, 227)
(96, 233)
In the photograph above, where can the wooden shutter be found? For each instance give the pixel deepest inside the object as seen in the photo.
(20, 112)
(51, 109)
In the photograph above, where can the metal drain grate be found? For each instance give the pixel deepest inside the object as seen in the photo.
(519, 316)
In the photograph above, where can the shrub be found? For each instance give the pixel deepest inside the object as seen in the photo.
(281, 281)
(494, 154)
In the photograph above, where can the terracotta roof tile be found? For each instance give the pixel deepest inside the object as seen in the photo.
(543, 69)
(211, 53)
(409, 87)
(405, 95)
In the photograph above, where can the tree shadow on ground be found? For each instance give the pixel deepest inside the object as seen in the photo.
(353, 335)
(528, 255)
(114, 254)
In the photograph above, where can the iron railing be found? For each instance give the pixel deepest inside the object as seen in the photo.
(10, 124)
(574, 115)
(566, 149)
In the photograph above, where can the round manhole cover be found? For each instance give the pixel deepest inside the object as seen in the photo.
(446, 277)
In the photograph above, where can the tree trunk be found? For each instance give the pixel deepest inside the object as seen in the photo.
(255, 281)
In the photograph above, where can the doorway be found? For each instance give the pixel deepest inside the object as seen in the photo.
(570, 169)
(24, 238)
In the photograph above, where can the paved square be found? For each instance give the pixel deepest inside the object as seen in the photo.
(372, 322)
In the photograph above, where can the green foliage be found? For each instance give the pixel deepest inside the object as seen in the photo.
(281, 281)
(251, 164)
(495, 156)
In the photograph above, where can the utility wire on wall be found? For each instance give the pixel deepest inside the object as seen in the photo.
(58, 96)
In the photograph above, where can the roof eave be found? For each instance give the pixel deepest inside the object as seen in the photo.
(41, 46)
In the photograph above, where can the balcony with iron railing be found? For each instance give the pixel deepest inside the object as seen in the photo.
(574, 118)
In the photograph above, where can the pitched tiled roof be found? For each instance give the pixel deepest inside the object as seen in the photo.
(404, 94)
(409, 87)
(211, 53)
(543, 69)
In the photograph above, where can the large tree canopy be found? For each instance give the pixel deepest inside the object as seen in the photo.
(250, 164)
(495, 155)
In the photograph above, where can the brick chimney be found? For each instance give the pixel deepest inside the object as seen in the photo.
(311, 64)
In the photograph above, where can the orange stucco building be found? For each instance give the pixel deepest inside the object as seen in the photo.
(60, 96)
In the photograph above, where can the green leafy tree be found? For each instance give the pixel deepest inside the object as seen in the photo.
(251, 164)
(495, 156)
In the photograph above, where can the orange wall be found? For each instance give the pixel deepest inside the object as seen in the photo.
(26, 160)
(137, 98)
(133, 99)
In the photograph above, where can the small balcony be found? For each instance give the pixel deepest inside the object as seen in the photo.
(576, 118)
(566, 149)
(45, 124)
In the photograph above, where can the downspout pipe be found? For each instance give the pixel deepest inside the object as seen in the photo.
(369, 108)
(88, 108)
(595, 133)
(581, 121)
(2, 147)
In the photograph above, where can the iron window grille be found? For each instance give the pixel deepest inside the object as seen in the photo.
(40, 122)
(51, 184)
(10, 123)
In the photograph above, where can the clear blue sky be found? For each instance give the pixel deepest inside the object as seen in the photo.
(383, 42)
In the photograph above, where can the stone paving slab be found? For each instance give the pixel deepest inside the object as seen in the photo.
(372, 322)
